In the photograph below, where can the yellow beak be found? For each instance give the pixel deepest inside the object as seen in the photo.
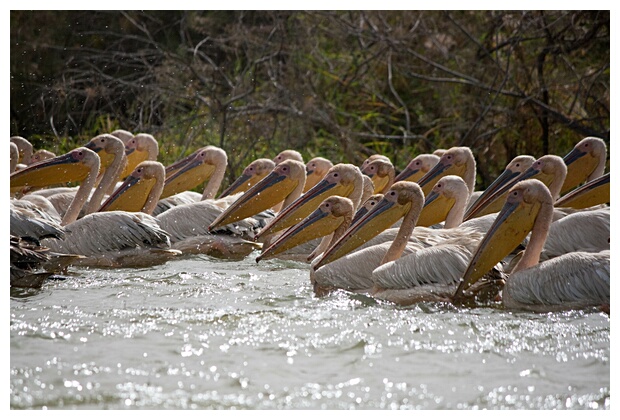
(187, 177)
(435, 210)
(130, 196)
(577, 163)
(590, 194)
(134, 157)
(64, 168)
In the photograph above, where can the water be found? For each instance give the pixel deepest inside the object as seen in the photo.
(212, 334)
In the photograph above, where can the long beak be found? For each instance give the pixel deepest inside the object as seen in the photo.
(105, 158)
(577, 163)
(312, 178)
(435, 210)
(176, 166)
(382, 216)
(64, 168)
(380, 182)
(304, 205)
(318, 224)
(242, 184)
(590, 194)
(510, 227)
(483, 200)
(265, 194)
(130, 196)
(408, 174)
(187, 177)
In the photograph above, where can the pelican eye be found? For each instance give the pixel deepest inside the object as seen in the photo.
(392, 193)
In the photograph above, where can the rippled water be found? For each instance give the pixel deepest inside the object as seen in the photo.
(205, 333)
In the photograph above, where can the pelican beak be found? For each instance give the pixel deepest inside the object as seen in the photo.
(318, 224)
(590, 194)
(304, 205)
(380, 182)
(435, 210)
(268, 192)
(577, 163)
(241, 184)
(382, 216)
(130, 196)
(58, 170)
(187, 177)
(176, 166)
(502, 182)
(513, 223)
(408, 174)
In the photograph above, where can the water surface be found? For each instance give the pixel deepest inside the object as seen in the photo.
(212, 334)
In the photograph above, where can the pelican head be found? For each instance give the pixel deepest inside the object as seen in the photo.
(316, 168)
(372, 158)
(516, 167)
(446, 201)
(455, 161)
(74, 166)
(417, 167)
(341, 179)
(367, 206)
(140, 190)
(288, 154)
(203, 163)
(284, 180)
(139, 148)
(107, 147)
(332, 213)
(382, 174)
(124, 135)
(585, 162)
(41, 155)
(527, 202)
(252, 173)
(398, 201)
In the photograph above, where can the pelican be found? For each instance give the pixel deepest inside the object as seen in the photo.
(139, 148)
(445, 202)
(417, 167)
(123, 135)
(342, 179)
(550, 169)
(316, 168)
(373, 158)
(41, 155)
(288, 154)
(515, 167)
(592, 193)
(141, 190)
(104, 239)
(585, 162)
(455, 161)
(283, 184)
(14, 156)
(254, 172)
(382, 174)
(25, 149)
(574, 280)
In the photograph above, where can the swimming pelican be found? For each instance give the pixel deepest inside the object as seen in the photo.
(585, 162)
(316, 168)
(382, 174)
(592, 193)
(140, 191)
(254, 172)
(417, 167)
(139, 148)
(573, 280)
(104, 239)
(550, 169)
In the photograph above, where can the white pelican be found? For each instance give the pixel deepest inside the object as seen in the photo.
(445, 202)
(372, 158)
(550, 169)
(455, 161)
(382, 174)
(41, 155)
(573, 280)
(316, 168)
(14, 156)
(288, 154)
(585, 162)
(140, 191)
(417, 167)
(139, 148)
(105, 239)
(254, 172)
